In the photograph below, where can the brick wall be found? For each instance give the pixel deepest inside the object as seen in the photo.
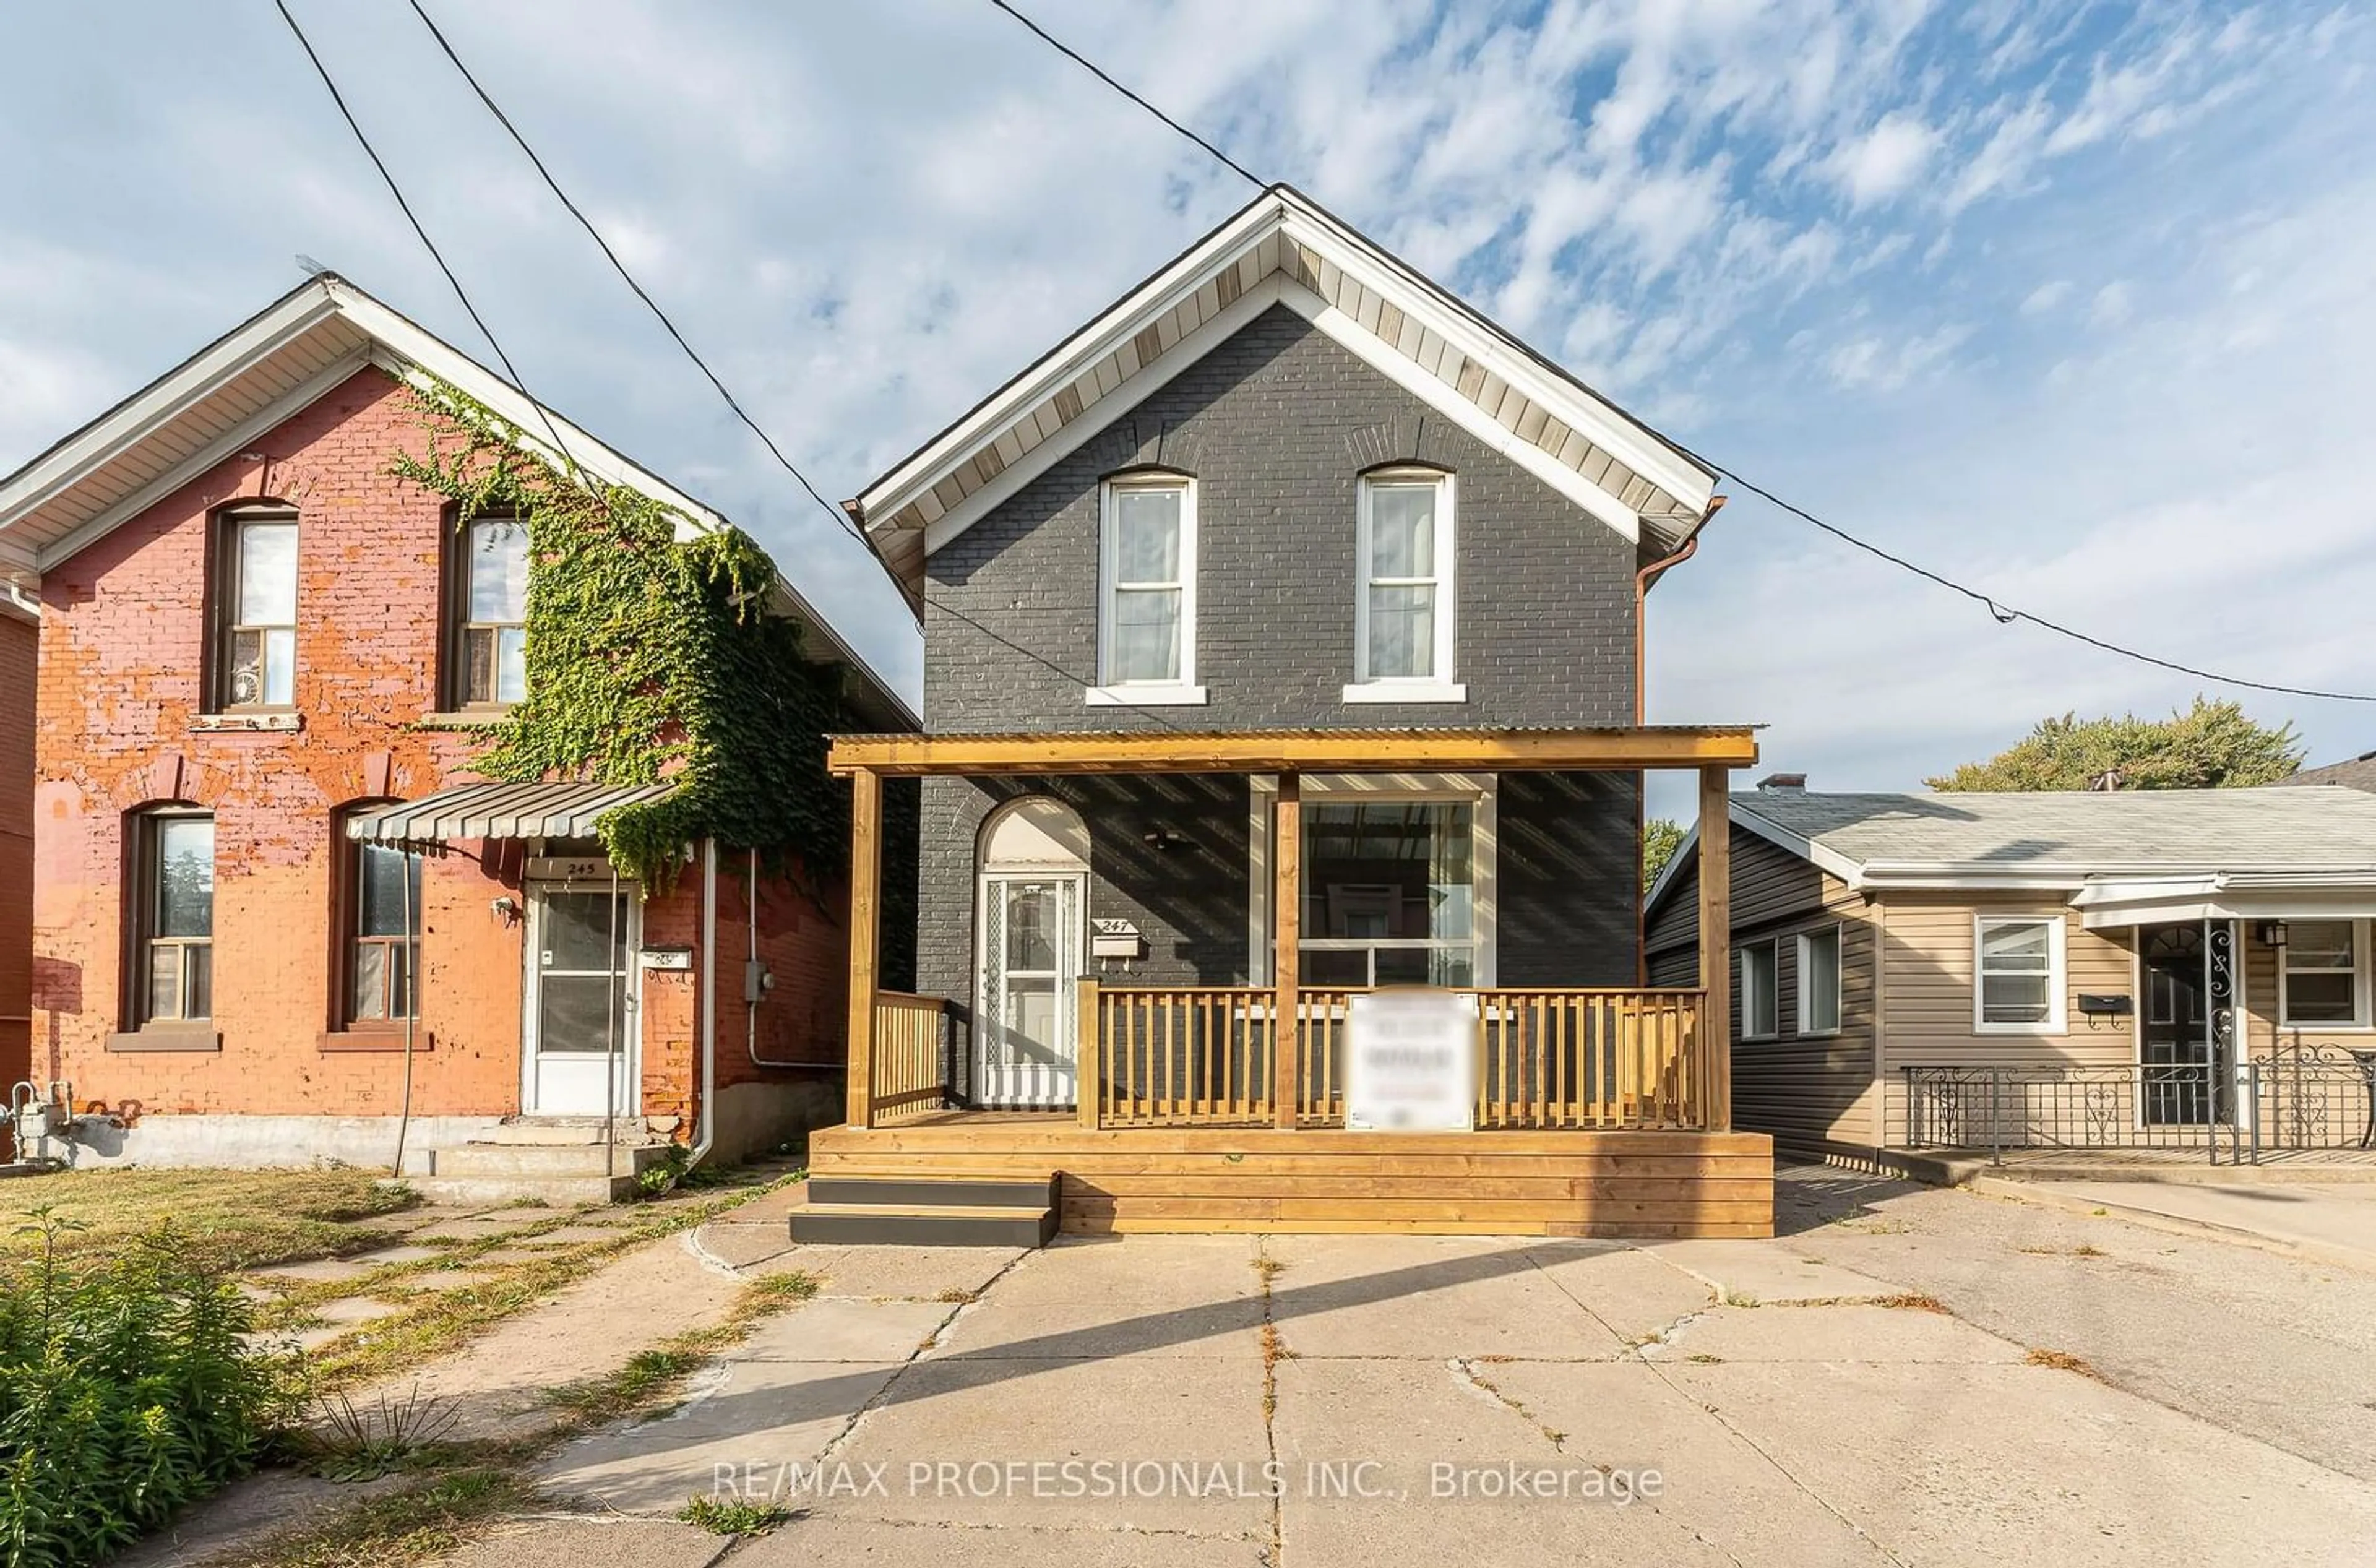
(122, 647)
(18, 641)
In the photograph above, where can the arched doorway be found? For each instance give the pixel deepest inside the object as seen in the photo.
(1030, 921)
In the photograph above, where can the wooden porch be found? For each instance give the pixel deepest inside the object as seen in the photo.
(1599, 1111)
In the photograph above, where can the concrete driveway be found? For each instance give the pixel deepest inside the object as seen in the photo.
(1298, 1400)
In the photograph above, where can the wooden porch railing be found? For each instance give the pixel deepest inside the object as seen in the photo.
(908, 1078)
(1553, 1057)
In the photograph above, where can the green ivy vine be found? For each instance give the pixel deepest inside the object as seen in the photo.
(649, 656)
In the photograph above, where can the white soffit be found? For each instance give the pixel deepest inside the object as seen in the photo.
(1283, 250)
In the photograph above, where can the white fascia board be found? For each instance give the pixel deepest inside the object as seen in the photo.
(1225, 247)
(1382, 357)
(279, 411)
(1815, 852)
(137, 418)
(1340, 328)
(1103, 413)
(1605, 426)
(415, 350)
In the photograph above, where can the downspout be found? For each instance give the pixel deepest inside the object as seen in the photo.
(1642, 581)
(705, 1122)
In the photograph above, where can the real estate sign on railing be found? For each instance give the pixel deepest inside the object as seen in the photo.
(1410, 1060)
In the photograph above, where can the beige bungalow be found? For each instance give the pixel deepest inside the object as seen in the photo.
(2181, 971)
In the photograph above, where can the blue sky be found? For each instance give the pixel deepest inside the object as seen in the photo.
(2070, 302)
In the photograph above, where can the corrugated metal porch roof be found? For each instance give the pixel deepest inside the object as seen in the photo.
(567, 809)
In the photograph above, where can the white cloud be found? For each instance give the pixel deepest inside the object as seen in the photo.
(2111, 305)
(1870, 363)
(1887, 159)
(2045, 296)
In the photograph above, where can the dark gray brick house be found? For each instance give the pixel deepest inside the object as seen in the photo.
(1281, 642)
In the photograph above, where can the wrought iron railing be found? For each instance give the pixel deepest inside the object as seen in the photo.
(2300, 1100)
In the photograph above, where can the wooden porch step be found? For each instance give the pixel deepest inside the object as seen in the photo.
(1011, 1211)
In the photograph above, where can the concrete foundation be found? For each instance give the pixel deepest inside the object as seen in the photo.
(251, 1141)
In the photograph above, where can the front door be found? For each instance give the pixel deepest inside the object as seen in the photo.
(581, 1027)
(1026, 1051)
(2175, 1080)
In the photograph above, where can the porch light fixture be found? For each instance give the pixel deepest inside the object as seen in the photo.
(2271, 933)
(1163, 840)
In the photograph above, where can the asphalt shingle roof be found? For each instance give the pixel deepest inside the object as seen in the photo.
(2311, 829)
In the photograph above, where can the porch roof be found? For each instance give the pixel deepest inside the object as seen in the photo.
(565, 810)
(1298, 751)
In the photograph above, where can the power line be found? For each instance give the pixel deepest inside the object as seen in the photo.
(612, 257)
(434, 253)
(2004, 614)
(396, 191)
(1094, 69)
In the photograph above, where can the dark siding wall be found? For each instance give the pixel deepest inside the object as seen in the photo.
(1276, 424)
(1810, 1090)
(1188, 901)
(1565, 879)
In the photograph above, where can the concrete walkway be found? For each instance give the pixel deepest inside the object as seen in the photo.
(1320, 1400)
(2333, 1222)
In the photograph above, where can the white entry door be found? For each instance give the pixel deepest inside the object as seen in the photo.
(1025, 1048)
(581, 1031)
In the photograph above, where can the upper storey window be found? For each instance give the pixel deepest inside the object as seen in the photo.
(1147, 592)
(1404, 616)
(256, 608)
(491, 634)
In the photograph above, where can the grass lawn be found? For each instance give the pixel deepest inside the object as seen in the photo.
(224, 1220)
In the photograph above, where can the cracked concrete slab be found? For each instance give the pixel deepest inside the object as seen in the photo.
(1902, 1335)
(1982, 1465)
(1769, 1272)
(839, 1329)
(740, 1244)
(894, 1272)
(1634, 1293)
(594, 1543)
(1196, 1297)
(742, 1419)
(1427, 1297)
(809, 1541)
(1429, 1428)
(965, 1421)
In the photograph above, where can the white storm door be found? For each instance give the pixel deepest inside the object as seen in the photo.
(1025, 1048)
(581, 1031)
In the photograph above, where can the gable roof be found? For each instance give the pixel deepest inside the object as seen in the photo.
(1283, 249)
(2103, 846)
(266, 370)
(2360, 773)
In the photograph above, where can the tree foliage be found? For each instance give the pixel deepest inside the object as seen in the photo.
(1661, 837)
(649, 656)
(2213, 745)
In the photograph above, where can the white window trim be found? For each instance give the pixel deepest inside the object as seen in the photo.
(1741, 981)
(1839, 981)
(2057, 976)
(1481, 790)
(1437, 685)
(2360, 1021)
(1181, 690)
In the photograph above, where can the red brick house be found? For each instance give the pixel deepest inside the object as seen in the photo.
(268, 670)
(20, 626)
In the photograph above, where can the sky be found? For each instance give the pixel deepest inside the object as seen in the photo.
(2072, 302)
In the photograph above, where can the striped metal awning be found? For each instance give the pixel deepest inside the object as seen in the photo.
(500, 811)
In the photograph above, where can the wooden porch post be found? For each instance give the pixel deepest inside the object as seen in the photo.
(1287, 920)
(1716, 949)
(865, 936)
(1090, 1055)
